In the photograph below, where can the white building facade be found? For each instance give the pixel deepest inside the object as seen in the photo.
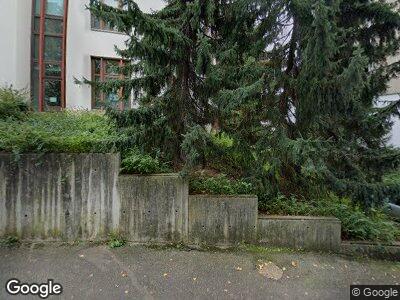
(46, 44)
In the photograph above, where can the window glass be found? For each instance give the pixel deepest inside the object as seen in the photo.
(54, 26)
(36, 24)
(37, 7)
(112, 68)
(97, 66)
(52, 92)
(35, 46)
(55, 7)
(52, 48)
(35, 86)
(53, 70)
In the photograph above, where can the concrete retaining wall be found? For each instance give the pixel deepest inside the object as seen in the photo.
(82, 197)
(154, 208)
(311, 233)
(222, 220)
(59, 196)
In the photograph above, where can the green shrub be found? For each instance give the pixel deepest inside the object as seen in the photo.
(10, 241)
(137, 163)
(357, 224)
(116, 240)
(69, 132)
(218, 185)
(13, 103)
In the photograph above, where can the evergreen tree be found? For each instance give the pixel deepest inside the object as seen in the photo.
(293, 83)
(172, 51)
(319, 128)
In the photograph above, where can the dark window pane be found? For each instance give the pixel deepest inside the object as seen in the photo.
(37, 7)
(53, 70)
(52, 48)
(112, 67)
(36, 24)
(52, 92)
(55, 7)
(35, 86)
(97, 66)
(35, 47)
(95, 22)
(112, 99)
(54, 26)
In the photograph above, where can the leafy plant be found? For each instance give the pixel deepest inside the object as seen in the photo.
(10, 241)
(69, 132)
(138, 163)
(218, 185)
(373, 225)
(13, 103)
(116, 241)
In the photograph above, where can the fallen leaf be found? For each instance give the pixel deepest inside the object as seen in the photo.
(271, 271)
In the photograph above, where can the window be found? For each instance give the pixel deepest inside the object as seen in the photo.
(105, 69)
(48, 54)
(99, 24)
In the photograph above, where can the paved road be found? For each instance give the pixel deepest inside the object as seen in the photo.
(139, 272)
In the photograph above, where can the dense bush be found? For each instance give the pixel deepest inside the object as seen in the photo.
(137, 163)
(218, 185)
(13, 103)
(357, 224)
(57, 132)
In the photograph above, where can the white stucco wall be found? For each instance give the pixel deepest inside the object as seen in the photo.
(15, 43)
(82, 43)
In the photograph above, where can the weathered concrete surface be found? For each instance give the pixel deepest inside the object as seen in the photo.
(59, 196)
(222, 220)
(154, 208)
(139, 272)
(389, 252)
(313, 233)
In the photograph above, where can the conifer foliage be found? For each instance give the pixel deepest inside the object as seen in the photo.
(292, 83)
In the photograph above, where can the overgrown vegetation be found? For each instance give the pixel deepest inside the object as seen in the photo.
(292, 84)
(116, 241)
(218, 185)
(357, 224)
(279, 95)
(24, 131)
(70, 132)
(135, 162)
(13, 103)
(10, 241)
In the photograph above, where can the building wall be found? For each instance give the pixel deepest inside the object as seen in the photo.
(15, 43)
(82, 43)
